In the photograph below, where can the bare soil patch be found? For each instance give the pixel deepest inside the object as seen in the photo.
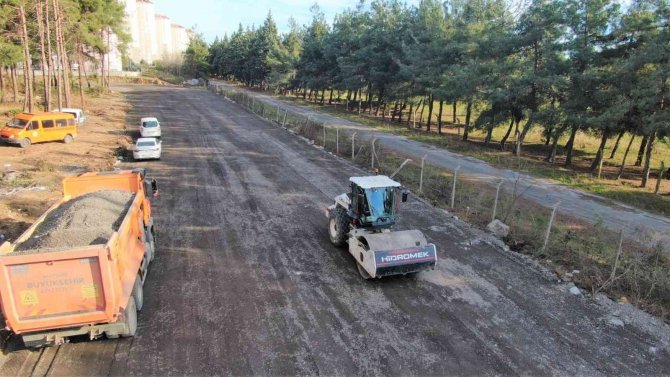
(37, 172)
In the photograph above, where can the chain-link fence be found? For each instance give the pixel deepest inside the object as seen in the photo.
(591, 255)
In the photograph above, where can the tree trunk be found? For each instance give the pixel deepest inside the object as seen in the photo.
(547, 134)
(423, 108)
(330, 98)
(83, 67)
(304, 94)
(453, 108)
(640, 152)
(601, 150)
(63, 53)
(15, 85)
(369, 99)
(570, 146)
(439, 118)
(402, 108)
(52, 70)
(509, 131)
(554, 145)
(647, 159)
(384, 112)
(409, 116)
(59, 60)
(430, 112)
(109, 50)
(3, 89)
(43, 59)
(27, 65)
(36, 85)
(625, 156)
(522, 136)
(616, 144)
(360, 100)
(489, 135)
(80, 57)
(395, 111)
(323, 95)
(468, 113)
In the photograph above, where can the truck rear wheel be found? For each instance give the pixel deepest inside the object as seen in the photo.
(338, 226)
(138, 293)
(151, 237)
(68, 139)
(130, 319)
(24, 143)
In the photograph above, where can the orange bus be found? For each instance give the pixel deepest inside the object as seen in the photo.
(26, 129)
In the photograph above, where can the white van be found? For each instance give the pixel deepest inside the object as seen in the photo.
(79, 115)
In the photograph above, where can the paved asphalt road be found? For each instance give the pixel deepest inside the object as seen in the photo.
(640, 225)
(245, 281)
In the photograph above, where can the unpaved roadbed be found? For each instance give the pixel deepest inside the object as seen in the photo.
(86, 220)
(246, 282)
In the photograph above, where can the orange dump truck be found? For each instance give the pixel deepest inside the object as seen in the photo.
(81, 267)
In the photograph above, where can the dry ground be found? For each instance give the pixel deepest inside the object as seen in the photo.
(245, 281)
(41, 168)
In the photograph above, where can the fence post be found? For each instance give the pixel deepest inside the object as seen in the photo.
(600, 166)
(373, 153)
(400, 167)
(262, 109)
(423, 163)
(660, 177)
(495, 203)
(551, 223)
(337, 140)
(353, 146)
(277, 114)
(453, 188)
(284, 122)
(324, 136)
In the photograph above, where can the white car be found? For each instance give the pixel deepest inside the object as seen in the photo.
(150, 127)
(79, 115)
(147, 148)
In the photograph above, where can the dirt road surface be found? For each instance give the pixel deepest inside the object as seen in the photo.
(245, 281)
(641, 226)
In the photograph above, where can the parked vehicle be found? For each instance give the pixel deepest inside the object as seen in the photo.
(26, 129)
(68, 276)
(147, 148)
(79, 114)
(150, 127)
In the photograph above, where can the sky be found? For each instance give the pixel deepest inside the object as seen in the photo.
(217, 17)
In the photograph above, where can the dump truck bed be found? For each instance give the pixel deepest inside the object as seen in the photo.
(67, 285)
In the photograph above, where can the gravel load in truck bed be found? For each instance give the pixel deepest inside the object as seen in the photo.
(86, 220)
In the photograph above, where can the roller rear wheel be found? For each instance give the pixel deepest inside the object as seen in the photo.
(338, 226)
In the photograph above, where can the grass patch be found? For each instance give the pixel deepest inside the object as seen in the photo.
(625, 190)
